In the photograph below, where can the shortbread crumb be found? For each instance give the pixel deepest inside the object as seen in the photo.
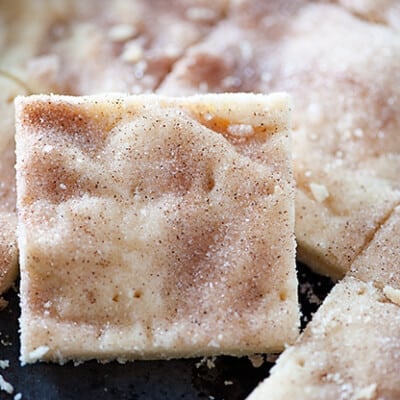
(256, 360)
(6, 386)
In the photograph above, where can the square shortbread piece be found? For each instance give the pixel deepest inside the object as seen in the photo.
(350, 350)
(154, 227)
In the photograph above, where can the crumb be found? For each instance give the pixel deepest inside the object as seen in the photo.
(201, 362)
(256, 360)
(227, 383)
(18, 396)
(314, 299)
(307, 288)
(4, 364)
(209, 361)
(6, 386)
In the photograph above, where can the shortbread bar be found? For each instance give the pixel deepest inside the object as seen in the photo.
(154, 227)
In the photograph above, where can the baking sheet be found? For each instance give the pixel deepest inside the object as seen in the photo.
(220, 378)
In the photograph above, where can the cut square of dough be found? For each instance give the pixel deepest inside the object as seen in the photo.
(350, 350)
(154, 227)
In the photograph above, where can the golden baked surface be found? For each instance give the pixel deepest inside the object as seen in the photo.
(154, 227)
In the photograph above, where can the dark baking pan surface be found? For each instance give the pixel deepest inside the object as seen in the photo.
(220, 378)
